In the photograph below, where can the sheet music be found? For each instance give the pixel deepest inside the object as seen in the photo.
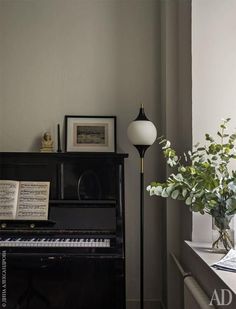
(8, 199)
(33, 201)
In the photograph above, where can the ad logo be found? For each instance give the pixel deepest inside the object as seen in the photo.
(223, 298)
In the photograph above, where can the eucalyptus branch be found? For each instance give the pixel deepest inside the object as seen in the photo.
(203, 180)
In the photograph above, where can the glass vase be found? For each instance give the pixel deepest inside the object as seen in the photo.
(222, 233)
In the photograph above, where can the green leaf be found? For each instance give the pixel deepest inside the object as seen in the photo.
(209, 138)
(175, 194)
(218, 133)
(201, 149)
(184, 192)
(214, 158)
(154, 184)
(178, 177)
(162, 141)
(164, 193)
(158, 190)
(169, 189)
(188, 201)
(195, 207)
(232, 137)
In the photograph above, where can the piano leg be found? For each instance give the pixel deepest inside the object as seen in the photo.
(29, 294)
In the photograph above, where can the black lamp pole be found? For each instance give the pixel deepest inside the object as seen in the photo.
(141, 149)
(142, 134)
(141, 153)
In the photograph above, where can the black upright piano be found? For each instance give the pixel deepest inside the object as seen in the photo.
(76, 258)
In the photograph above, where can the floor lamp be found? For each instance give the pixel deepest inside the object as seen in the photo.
(142, 134)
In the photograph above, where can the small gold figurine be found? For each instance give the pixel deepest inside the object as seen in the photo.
(47, 143)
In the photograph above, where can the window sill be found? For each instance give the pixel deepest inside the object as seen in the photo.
(203, 252)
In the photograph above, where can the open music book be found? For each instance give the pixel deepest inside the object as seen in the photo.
(24, 200)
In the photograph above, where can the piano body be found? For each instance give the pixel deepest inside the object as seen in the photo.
(76, 259)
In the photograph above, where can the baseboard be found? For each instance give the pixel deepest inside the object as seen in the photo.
(148, 304)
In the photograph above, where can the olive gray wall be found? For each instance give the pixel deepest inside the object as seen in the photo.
(88, 57)
(176, 98)
(1, 86)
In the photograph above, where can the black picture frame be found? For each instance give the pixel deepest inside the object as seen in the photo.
(90, 133)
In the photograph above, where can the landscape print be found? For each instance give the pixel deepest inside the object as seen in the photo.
(91, 134)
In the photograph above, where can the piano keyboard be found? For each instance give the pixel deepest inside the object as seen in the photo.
(55, 242)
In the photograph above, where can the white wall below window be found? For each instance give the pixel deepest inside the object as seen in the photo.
(213, 78)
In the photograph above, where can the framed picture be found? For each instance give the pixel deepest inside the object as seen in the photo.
(90, 133)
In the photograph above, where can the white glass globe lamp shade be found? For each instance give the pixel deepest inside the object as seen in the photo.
(142, 132)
